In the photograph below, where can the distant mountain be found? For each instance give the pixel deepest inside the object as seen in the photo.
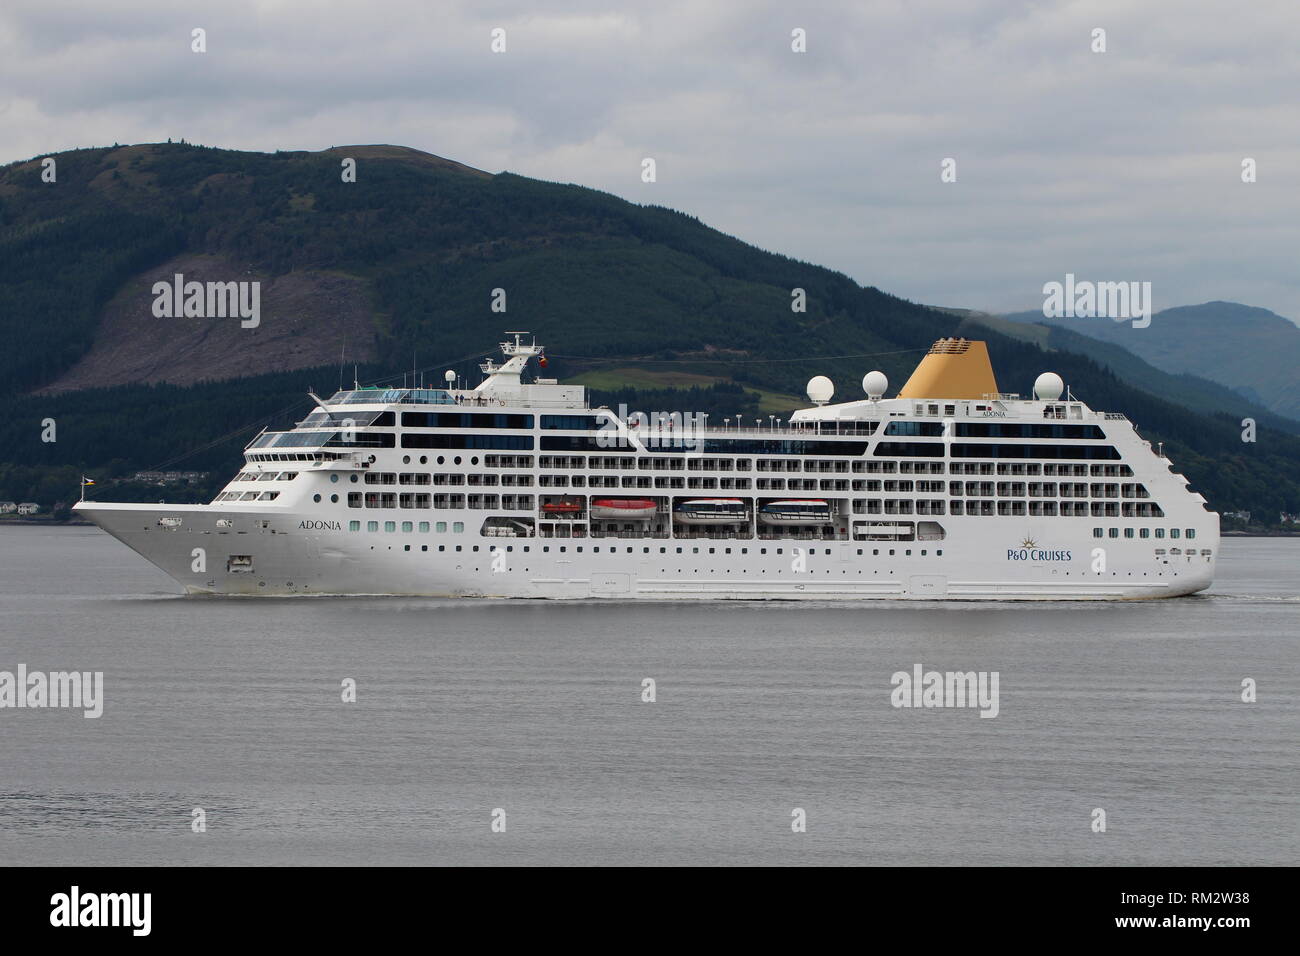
(397, 271)
(1191, 391)
(1253, 351)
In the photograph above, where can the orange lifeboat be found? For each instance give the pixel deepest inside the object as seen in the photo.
(623, 509)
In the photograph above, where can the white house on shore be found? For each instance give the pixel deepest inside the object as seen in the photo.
(7, 507)
(28, 508)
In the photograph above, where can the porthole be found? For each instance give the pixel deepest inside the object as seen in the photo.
(334, 479)
(315, 497)
(334, 499)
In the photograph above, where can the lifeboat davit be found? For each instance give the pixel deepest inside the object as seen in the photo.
(623, 509)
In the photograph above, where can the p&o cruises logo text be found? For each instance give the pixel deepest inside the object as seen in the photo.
(1030, 551)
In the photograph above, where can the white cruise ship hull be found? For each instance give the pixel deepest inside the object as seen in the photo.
(306, 554)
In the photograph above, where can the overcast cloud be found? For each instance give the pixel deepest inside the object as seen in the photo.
(1119, 165)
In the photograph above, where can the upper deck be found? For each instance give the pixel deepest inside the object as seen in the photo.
(503, 405)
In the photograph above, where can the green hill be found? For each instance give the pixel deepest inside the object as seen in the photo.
(622, 294)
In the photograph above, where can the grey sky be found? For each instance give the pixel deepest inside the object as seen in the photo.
(1119, 165)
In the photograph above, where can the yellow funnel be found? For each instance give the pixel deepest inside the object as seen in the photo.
(953, 368)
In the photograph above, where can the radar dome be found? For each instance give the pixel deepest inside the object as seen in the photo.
(449, 375)
(820, 389)
(1048, 387)
(874, 384)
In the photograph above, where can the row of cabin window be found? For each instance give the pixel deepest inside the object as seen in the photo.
(1144, 533)
(385, 439)
(1047, 469)
(474, 479)
(788, 465)
(628, 464)
(265, 476)
(247, 496)
(1033, 489)
(920, 449)
(993, 429)
(391, 526)
(381, 499)
(654, 463)
(704, 484)
(1050, 469)
(1055, 509)
(457, 527)
(284, 456)
(984, 508)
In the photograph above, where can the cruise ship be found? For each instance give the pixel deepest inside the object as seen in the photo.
(950, 490)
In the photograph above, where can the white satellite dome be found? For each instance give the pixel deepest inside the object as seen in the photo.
(449, 376)
(820, 389)
(1048, 387)
(875, 384)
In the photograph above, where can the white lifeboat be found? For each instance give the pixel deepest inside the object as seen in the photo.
(796, 511)
(711, 511)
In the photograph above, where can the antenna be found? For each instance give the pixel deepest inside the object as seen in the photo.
(355, 384)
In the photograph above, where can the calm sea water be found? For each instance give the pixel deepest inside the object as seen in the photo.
(233, 705)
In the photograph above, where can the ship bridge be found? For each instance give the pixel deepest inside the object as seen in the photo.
(502, 384)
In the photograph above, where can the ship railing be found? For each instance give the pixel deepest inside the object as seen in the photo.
(683, 535)
(629, 534)
(516, 401)
(863, 426)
